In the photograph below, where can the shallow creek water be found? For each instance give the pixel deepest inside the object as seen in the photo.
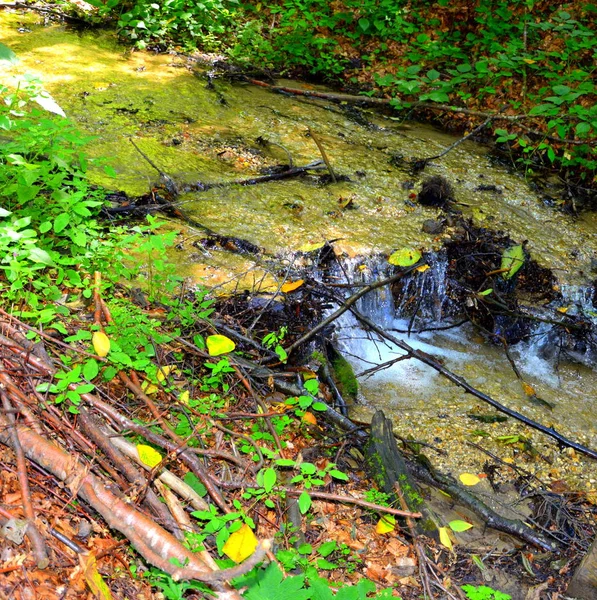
(198, 134)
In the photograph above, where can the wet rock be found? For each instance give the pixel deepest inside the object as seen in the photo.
(432, 226)
(436, 191)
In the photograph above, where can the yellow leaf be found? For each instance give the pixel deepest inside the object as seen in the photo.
(164, 371)
(529, 61)
(444, 538)
(184, 397)
(148, 455)
(219, 344)
(241, 544)
(422, 268)
(94, 580)
(405, 257)
(149, 388)
(101, 343)
(563, 309)
(468, 479)
(386, 524)
(311, 247)
(292, 285)
(310, 418)
(528, 389)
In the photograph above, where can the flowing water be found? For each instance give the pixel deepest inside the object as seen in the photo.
(197, 132)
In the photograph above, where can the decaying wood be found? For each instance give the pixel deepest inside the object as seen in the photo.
(584, 581)
(153, 542)
(388, 468)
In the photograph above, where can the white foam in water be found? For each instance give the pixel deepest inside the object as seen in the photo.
(365, 352)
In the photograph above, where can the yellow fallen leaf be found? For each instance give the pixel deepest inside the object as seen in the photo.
(310, 418)
(166, 370)
(241, 544)
(290, 286)
(468, 479)
(184, 397)
(149, 388)
(101, 343)
(219, 344)
(386, 524)
(563, 309)
(444, 538)
(528, 389)
(422, 268)
(148, 455)
(311, 247)
(94, 580)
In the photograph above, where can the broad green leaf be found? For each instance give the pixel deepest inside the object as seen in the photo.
(48, 103)
(304, 503)
(459, 526)
(405, 257)
(7, 55)
(90, 369)
(61, 221)
(269, 479)
(219, 344)
(339, 475)
(512, 259)
(38, 255)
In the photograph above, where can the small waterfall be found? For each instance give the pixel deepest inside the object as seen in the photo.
(419, 306)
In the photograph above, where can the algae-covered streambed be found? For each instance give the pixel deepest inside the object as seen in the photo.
(219, 132)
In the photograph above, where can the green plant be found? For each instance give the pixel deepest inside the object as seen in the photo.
(273, 340)
(307, 401)
(484, 592)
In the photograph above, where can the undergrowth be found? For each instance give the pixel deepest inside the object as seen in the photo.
(526, 59)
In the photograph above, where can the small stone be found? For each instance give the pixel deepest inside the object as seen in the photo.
(432, 226)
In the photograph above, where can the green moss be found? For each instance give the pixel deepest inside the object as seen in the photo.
(344, 376)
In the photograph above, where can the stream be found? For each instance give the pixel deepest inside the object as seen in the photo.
(224, 132)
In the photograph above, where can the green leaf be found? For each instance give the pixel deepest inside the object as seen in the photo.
(364, 24)
(319, 406)
(285, 462)
(61, 221)
(312, 386)
(485, 292)
(560, 90)
(269, 479)
(308, 468)
(90, 369)
(512, 259)
(271, 584)
(459, 526)
(327, 548)
(37, 255)
(7, 55)
(339, 475)
(405, 257)
(304, 503)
